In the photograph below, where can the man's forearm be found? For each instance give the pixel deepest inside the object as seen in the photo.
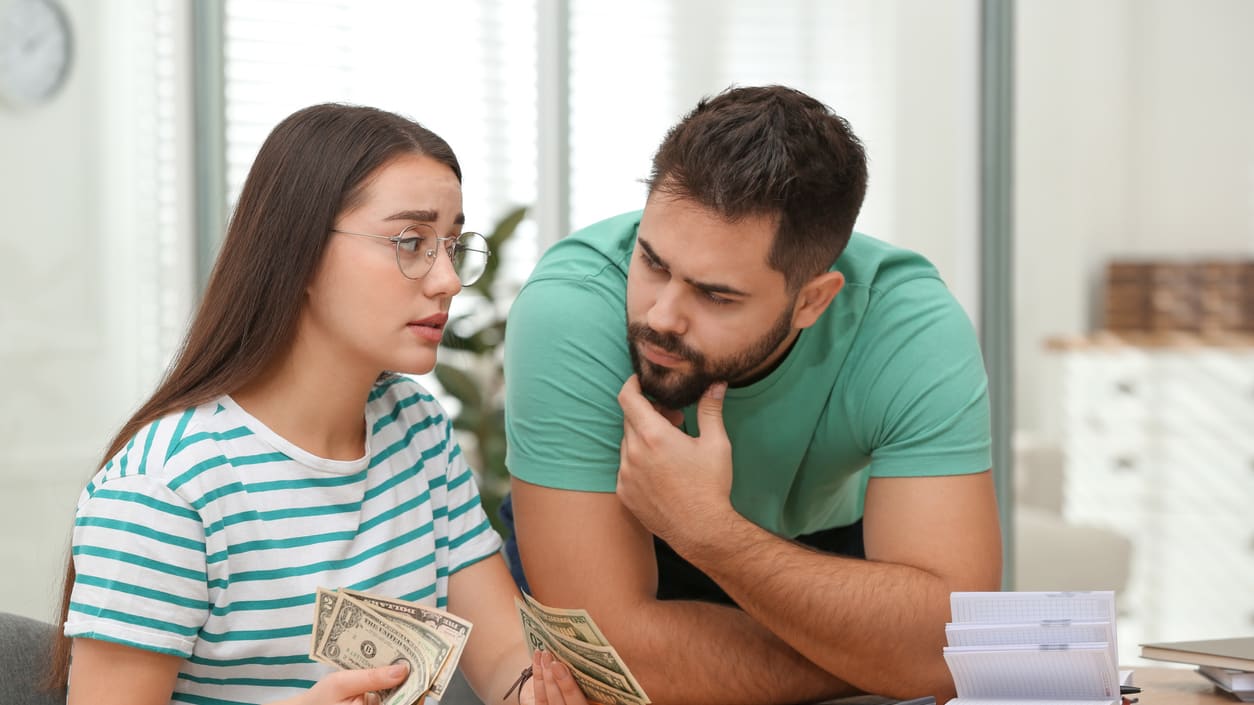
(681, 652)
(696, 652)
(879, 625)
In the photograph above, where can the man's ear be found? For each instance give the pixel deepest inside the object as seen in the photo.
(814, 298)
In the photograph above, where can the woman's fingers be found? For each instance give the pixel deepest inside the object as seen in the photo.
(538, 685)
(357, 684)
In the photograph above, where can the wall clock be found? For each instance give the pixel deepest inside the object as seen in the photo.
(36, 51)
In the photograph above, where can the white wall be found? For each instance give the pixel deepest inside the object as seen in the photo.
(1192, 165)
(92, 290)
(925, 177)
(1133, 138)
(52, 419)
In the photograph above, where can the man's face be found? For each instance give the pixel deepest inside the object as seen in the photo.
(703, 304)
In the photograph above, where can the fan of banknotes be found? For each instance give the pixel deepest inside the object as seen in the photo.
(358, 630)
(571, 637)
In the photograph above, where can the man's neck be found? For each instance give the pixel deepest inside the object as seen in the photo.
(771, 365)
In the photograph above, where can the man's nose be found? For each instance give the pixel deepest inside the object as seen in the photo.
(666, 315)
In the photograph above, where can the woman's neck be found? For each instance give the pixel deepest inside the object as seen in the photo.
(313, 404)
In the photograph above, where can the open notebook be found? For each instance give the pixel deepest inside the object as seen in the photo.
(1033, 648)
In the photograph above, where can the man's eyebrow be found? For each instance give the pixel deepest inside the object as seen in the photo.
(707, 287)
(424, 216)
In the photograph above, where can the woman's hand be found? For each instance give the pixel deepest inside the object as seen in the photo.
(352, 687)
(550, 684)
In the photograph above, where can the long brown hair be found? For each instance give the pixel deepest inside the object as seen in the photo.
(313, 166)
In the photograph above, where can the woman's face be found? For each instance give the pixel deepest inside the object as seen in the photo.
(360, 309)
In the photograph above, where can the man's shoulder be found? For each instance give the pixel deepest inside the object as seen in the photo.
(584, 276)
(884, 283)
(894, 306)
(870, 262)
(599, 252)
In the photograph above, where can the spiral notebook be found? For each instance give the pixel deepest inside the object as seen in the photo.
(1033, 648)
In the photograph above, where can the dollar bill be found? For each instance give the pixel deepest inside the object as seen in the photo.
(600, 693)
(575, 630)
(572, 624)
(453, 629)
(324, 604)
(538, 636)
(604, 656)
(360, 637)
(612, 687)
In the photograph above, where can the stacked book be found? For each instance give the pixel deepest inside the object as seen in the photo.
(1225, 297)
(1127, 300)
(1228, 663)
(1033, 647)
(1208, 298)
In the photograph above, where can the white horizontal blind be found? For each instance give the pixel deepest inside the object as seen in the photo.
(637, 69)
(466, 70)
(147, 192)
(279, 56)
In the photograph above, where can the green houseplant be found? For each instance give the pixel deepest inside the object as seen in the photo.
(472, 370)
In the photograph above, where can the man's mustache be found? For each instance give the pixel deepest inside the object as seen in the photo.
(668, 342)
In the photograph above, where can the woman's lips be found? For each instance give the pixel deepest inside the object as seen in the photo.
(430, 328)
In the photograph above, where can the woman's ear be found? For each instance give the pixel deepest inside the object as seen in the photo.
(814, 298)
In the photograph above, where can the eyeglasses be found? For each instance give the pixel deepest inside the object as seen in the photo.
(417, 247)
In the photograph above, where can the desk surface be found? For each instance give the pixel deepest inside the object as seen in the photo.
(1159, 686)
(1177, 686)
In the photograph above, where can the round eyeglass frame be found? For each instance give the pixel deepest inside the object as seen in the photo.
(432, 253)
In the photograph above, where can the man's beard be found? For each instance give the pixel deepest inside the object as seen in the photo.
(676, 390)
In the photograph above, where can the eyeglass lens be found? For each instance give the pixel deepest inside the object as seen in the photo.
(416, 252)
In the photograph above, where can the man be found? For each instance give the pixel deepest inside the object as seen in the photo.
(754, 447)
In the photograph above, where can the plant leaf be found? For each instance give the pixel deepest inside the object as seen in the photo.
(468, 420)
(503, 231)
(473, 343)
(505, 228)
(459, 384)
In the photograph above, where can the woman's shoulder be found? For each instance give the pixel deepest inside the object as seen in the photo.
(163, 450)
(397, 397)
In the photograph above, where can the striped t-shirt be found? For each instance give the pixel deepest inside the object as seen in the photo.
(206, 536)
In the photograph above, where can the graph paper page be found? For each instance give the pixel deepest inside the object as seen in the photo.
(1013, 672)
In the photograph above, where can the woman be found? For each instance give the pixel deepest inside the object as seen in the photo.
(281, 452)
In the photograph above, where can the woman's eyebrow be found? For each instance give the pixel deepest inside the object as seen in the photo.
(424, 216)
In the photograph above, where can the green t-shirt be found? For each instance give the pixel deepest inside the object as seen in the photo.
(889, 382)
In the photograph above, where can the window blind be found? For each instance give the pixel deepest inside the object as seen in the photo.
(465, 70)
(636, 70)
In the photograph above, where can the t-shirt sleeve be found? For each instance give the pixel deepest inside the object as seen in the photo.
(471, 537)
(565, 362)
(140, 563)
(918, 388)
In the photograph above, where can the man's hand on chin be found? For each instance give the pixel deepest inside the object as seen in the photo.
(677, 486)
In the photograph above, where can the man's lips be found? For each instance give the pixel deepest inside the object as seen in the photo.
(658, 356)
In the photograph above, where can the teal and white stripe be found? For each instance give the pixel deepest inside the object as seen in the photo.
(207, 535)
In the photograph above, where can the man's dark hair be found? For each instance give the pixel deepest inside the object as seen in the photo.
(770, 151)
